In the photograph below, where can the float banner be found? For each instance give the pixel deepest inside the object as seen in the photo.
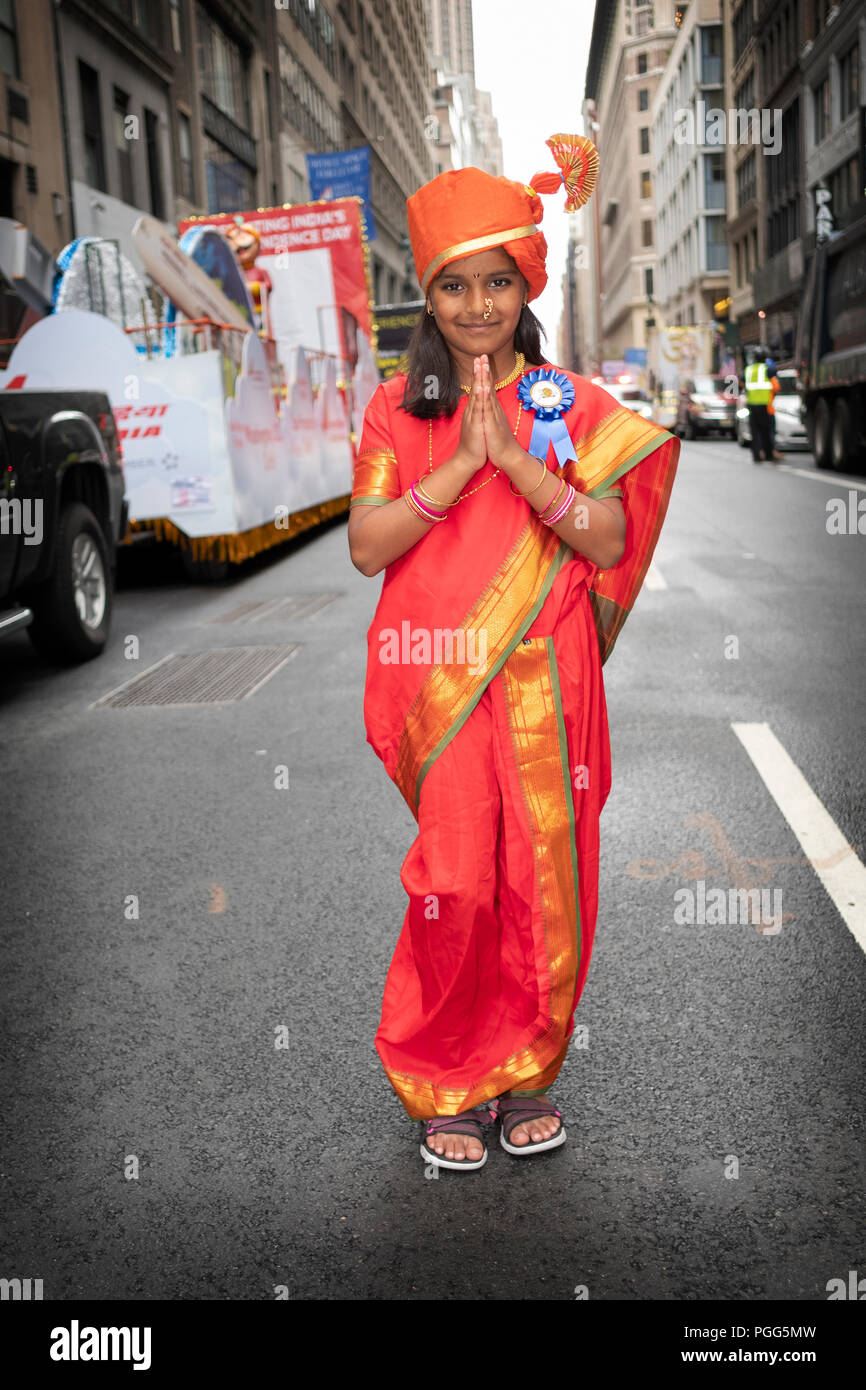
(314, 254)
(341, 174)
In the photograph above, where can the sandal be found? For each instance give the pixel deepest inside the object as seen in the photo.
(470, 1124)
(516, 1110)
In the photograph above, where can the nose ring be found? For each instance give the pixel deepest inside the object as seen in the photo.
(488, 308)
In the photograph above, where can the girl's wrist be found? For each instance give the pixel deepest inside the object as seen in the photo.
(521, 467)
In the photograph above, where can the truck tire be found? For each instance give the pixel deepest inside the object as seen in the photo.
(842, 438)
(72, 609)
(822, 433)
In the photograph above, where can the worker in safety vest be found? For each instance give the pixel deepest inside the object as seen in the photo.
(775, 387)
(758, 395)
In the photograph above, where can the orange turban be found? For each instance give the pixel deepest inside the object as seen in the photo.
(464, 211)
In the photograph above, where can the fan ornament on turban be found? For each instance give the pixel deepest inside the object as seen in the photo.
(577, 160)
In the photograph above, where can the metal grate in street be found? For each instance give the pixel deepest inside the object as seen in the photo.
(218, 676)
(298, 606)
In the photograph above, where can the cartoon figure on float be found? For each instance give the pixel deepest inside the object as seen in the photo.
(246, 244)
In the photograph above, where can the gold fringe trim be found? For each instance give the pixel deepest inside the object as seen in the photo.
(242, 545)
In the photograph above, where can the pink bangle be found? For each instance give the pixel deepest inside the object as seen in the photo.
(554, 501)
(421, 508)
(563, 508)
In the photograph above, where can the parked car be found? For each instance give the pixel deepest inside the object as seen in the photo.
(705, 407)
(788, 406)
(632, 397)
(63, 510)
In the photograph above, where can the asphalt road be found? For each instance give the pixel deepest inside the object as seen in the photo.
(269, 914)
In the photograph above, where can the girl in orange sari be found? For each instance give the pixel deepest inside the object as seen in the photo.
(514, 508)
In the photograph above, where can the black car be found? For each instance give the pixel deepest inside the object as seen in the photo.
(706, 406)
(63, 510)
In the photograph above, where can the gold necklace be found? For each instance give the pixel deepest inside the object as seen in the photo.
(519, 364)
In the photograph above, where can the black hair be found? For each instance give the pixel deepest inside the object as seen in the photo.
(429, 361)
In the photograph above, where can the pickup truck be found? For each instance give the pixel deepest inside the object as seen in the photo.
(63, 511)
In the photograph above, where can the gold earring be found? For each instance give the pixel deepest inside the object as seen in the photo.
(524, 301)
(429, 308)
(488, 308)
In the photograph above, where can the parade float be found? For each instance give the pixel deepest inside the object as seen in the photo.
(238, 376)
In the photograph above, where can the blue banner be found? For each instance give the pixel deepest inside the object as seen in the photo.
(340, 175)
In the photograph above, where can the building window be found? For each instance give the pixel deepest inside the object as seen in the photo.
(644, 139)
(747, 181)
(849, 81)
(187, 171)
(782, 175)
(641, 62)
(738, 257)
(643, 99)
(643, 20)
(123, 145)
(8, 39)
(143, 15)
(744, 98)
(154, 163)
(743, 28)
(711, 55)
(714, 180)
(844, 182)
(303, 106)
(91, 121)
(646, 187)
(316, 25)
(347, 74)
(717, 245)
(176, 19)
(648, 281)
(821, 96)
(222, 69)
(230, 184)
(647, 232)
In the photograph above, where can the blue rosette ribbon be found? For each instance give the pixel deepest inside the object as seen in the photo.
(550, 395)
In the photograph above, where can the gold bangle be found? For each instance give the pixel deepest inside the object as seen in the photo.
(413, 507)
(551, 505)
(434, 501)
(537, 485)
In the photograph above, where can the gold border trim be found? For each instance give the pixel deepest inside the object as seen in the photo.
(532, 699)
(479, 243)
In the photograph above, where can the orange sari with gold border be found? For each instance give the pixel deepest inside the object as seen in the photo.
(549, 619)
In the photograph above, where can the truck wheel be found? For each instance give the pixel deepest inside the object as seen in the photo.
(841, 440)
(821, 433)
(72, 609)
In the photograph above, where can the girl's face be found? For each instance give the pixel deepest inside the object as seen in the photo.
(458, 296)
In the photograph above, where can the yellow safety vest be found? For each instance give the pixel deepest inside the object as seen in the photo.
(758, 388)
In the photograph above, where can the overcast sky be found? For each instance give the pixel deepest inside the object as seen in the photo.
(532, 58)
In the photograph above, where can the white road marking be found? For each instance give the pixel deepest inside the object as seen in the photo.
(834, 479)
(831, 856)
(654, 577)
